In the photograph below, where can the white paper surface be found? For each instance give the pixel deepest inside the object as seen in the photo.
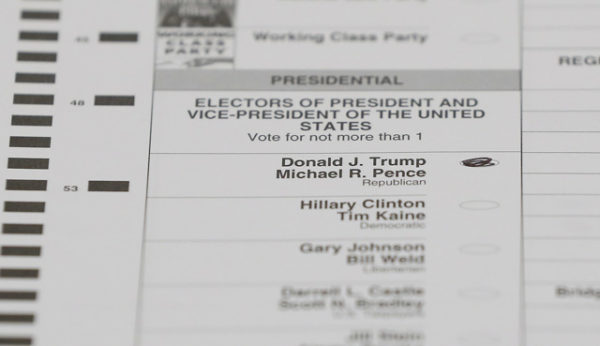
(270, 172)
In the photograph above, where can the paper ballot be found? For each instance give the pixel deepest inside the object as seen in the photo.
(299, 173)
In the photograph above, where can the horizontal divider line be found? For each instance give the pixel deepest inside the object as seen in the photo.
(572, 306)
(561, 215)
(553, 329)
(561, 89)
(561, 238)
(561, 194)
(244, 284)
(343, 153)
(591, 260)
(560, 113)
(562, 152)
(568, 132)
(554, 282)
(265, 329)
(275, 240)
(569, 154)
(562, 6)
(560, 110)
(561, 173)
(287, 196)
(563, 27)
(561, 48)
(465, 89)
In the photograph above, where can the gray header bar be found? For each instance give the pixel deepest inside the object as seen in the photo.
(337, 80)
